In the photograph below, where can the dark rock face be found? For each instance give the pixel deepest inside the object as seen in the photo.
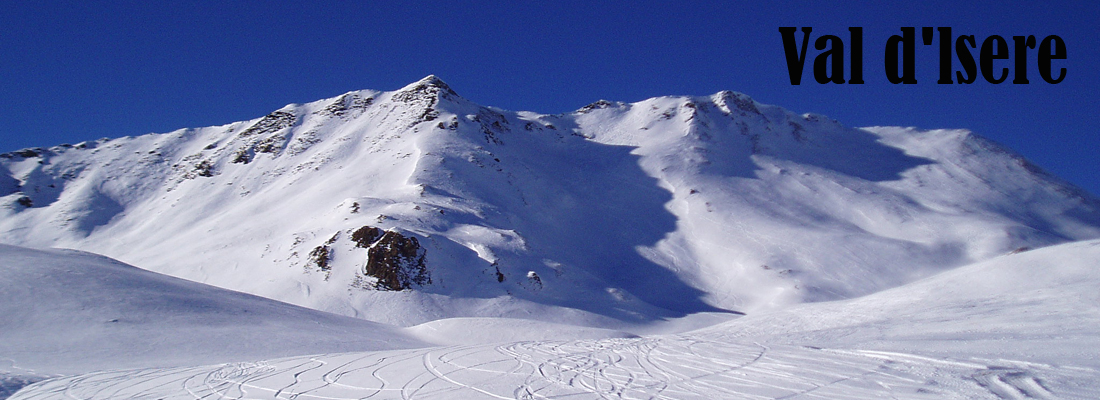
(424, 96)
(320, 257)
(243, 156)
(24, 153)
(598, 105)
(204, 168)
(348, 104)
(365, 236)
(271, 123)
(272, 145)
(429, 89)
(395, 260)
(194, 166)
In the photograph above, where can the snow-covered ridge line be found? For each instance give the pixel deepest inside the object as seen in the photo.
(618, 213)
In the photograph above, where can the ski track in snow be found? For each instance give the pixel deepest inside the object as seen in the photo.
(660, 367)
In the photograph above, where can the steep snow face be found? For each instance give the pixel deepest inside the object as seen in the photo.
(417, 204)
(67, 311)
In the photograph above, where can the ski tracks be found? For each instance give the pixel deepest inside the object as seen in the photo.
(660, 367)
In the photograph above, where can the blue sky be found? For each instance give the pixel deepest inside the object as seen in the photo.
(73, 71)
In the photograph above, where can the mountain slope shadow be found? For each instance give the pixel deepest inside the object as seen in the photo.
(855, 152)
(619, 209)
(729, 141)
(583, 209)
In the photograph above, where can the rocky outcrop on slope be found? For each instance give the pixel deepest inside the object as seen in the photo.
(394, 261)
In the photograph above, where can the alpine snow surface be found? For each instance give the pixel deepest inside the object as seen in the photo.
(1014, 327)
(552, 255)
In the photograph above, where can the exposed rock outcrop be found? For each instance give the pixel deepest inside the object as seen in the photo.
(423, 96)
(350, 104)
(320, 257)
(271, 123)
(365, 236)
(396, 261)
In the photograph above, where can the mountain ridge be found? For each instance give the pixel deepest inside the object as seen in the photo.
(615, 212)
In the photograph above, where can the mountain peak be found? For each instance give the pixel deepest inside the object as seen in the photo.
(612, 212)
(432, 79)
(429, 84)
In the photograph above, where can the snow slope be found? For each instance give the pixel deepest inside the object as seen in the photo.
(613, 215)
(67, 312)
(1040, 306)
(1019, 326)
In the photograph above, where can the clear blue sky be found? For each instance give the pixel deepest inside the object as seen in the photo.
(73, 71)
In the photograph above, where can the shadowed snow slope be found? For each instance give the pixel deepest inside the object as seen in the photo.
(1020, 326)
(70, 312)
(614, 214)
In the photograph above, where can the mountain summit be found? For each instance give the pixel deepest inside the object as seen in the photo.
(417, 204)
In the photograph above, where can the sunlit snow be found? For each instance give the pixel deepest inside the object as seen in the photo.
(676, 247)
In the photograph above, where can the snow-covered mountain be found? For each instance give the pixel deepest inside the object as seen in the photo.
(417, 204)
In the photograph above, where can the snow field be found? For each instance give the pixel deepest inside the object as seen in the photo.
(662, 367)
(1021, 326)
